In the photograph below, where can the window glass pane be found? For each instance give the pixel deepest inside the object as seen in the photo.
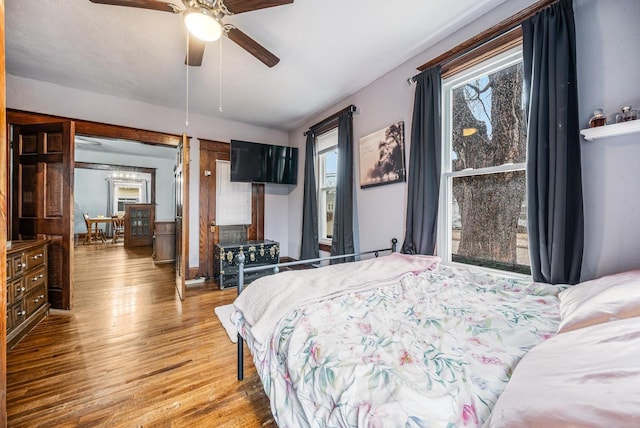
(488, 224)
(330, 173)
(488, 126)
(326, 147)
(330, 203)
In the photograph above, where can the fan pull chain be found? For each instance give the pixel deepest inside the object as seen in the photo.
(220, 80)
(186, 119)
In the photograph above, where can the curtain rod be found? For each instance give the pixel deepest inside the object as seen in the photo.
(334, 116)
(484, 37)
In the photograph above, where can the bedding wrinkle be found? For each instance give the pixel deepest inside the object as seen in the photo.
(266, 300)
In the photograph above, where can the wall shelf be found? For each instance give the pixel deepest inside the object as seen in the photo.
(613, 130)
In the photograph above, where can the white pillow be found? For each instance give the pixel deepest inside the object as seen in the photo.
(609, 298)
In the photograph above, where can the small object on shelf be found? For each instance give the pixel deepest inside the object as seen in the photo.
(626, 113)
(598, 119)
(633, 114)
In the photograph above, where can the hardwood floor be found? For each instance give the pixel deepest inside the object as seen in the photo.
(130, 354)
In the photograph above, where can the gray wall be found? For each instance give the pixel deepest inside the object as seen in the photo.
(608, 38)
(608, 63)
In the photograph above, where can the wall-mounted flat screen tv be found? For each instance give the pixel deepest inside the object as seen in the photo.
(263, 163)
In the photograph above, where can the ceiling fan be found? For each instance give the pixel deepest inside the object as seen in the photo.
(203, 19)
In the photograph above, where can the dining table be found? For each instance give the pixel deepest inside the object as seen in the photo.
(93, 226)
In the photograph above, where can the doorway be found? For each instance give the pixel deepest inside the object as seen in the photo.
(88, 129)
(210, 152)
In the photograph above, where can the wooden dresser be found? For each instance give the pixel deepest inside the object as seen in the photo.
(27, 278)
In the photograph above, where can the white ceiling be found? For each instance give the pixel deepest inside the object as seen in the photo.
(328, 49)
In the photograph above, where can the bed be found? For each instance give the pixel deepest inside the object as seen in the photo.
(405, 340)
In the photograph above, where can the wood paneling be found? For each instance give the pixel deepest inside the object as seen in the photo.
(256, 229)
(4, 215)
(132, 355)
(43, 198)
(210, 152)
(85, 127)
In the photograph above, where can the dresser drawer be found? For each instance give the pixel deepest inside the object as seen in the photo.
(19, 312)
(18, 289)
(17, 265)
(35, 299)
(35, 278)
(34, 258)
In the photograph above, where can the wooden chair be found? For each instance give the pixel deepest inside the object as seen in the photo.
(117, 222)
(93, 234)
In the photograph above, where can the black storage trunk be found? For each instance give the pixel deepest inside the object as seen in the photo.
(256, 253)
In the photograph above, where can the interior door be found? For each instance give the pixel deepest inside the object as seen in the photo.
(182, 214)
(43, 198)
(210, 152)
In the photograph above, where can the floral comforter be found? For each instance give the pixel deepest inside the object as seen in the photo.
(433, 349)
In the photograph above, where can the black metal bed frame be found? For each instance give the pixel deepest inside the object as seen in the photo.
(276, 268)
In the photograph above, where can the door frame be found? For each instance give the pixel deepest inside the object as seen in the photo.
(255, 231)
(88, 128)
(4, 180)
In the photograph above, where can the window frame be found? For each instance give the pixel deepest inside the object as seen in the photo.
(444, 237)
(323, 240)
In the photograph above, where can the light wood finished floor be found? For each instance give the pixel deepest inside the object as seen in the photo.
(130, 354)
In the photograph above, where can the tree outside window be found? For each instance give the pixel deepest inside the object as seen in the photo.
(484, 170)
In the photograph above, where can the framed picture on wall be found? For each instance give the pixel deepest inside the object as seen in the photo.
(382, 156)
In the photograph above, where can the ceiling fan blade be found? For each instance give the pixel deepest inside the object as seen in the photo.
(253, 47)
(196, 51)
(142, 4)
(239, 6)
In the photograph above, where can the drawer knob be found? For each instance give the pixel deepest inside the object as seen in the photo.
(22, 313)
(36, 300)
(41, 296)
(37, 256)
(20, 265)
(22, 289)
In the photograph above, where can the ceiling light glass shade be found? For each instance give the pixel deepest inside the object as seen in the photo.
(202, 25)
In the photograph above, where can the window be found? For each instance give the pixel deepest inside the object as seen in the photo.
(483, 205)
(327, 150)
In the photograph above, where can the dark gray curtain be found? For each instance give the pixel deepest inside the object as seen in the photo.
(310, 249)
(554, 177)
(424, 165)
(342, 241)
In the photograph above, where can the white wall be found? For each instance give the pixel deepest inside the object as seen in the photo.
(41, 97)
(608, 64)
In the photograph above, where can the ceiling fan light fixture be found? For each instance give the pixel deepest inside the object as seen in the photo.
(202, 24)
